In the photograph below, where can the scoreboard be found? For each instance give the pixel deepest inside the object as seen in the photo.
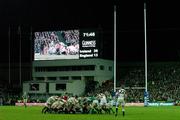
(88, 44)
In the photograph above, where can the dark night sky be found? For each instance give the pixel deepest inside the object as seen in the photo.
(163, 26)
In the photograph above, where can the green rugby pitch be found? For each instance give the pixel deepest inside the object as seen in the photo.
(132, 113)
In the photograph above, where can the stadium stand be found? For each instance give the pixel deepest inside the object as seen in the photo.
(163, 85)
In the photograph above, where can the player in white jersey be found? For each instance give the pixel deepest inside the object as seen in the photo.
(103, 100)
(120, 99)
(25, 98)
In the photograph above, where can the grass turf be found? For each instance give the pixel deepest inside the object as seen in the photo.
(132, 113)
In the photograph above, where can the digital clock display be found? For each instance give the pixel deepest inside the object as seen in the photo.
(90, 34)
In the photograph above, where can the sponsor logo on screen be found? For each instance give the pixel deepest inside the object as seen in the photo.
(91, 43)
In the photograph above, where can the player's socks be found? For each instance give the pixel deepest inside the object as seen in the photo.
(123, 111)
(116, 111)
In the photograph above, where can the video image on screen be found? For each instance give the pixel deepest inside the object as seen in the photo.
(52, 45)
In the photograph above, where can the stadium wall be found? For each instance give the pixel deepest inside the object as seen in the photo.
(73, 73)
(76, 87)
(42, 88)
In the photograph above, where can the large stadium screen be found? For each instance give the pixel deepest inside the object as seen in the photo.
(68, 44)
(53, 45)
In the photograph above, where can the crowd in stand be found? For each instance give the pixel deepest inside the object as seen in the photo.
(163, 84)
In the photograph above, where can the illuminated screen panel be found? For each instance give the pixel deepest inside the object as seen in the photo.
(88, 44)
(53, 45)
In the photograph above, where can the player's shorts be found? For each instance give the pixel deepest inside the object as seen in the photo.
(96, 102)
(103, 102)
(111, 102)
(25, 100)
(120, 101)
(54, 105)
